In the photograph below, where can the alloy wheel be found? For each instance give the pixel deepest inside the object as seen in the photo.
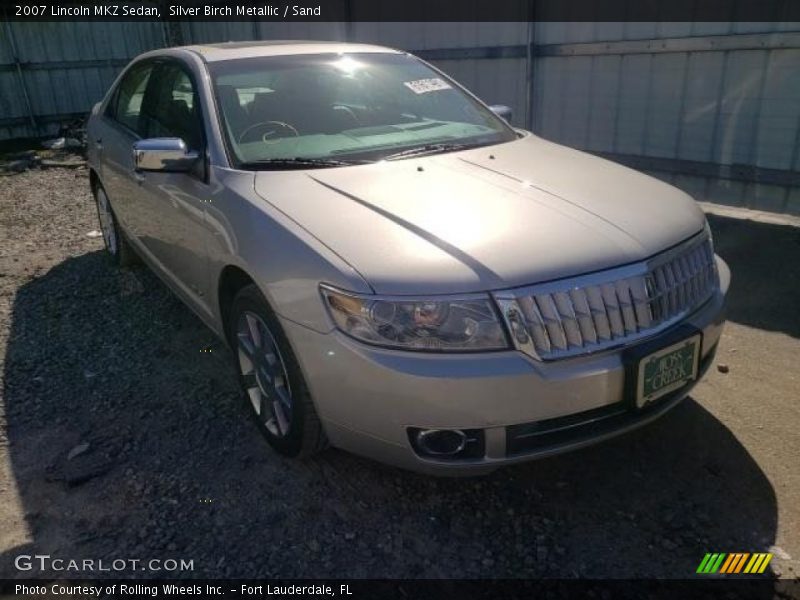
(264, 373)
(106, 222)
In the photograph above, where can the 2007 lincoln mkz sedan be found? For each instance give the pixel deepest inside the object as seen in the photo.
(398, 271)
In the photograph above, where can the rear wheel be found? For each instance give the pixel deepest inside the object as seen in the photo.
(116, 244)
(271, 379)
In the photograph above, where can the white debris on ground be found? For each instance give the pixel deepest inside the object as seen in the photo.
(77, 451)
(67, 150)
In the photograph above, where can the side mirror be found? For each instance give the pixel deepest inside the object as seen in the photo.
(163, 154)
(502, 111)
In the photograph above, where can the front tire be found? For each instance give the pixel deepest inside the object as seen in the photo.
(117, 246)
(271, 379)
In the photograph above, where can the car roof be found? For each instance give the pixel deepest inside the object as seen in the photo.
(234, 50)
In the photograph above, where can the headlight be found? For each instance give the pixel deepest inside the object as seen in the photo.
(442, 324)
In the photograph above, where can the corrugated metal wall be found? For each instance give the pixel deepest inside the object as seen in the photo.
(720, 100)
(711, 107)
(50, 72)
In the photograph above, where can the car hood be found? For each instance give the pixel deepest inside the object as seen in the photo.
(484, 219)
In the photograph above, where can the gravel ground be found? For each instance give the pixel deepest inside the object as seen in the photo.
(123, 436)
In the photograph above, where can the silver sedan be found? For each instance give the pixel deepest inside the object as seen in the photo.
(398, 271)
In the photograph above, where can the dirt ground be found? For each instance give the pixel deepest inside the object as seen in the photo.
(123, 435)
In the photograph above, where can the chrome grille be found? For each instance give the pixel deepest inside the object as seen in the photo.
(594, 312)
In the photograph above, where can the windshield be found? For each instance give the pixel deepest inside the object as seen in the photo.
(340, 107)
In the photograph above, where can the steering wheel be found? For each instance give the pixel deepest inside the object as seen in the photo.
(350, 112)
(275, 128)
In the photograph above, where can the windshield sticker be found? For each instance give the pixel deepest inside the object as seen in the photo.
(423, 86)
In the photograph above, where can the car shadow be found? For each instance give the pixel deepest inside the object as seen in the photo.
(128, 439)
(764, 259)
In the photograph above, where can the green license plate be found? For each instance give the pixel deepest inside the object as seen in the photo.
(667, 370)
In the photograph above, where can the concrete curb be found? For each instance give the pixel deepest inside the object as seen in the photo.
(759, 216)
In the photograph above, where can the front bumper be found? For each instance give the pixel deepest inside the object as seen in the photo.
(368, 397)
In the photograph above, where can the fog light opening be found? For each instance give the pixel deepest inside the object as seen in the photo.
(441, 442)
(447, 444)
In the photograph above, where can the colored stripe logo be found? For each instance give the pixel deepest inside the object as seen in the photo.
(734, 562)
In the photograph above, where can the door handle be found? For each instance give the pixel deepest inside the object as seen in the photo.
(139, 177)
(98, 144)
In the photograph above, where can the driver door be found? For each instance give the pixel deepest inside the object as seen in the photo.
(173, 228)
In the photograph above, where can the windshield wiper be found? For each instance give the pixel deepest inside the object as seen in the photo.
(300, 163)
(431, 149)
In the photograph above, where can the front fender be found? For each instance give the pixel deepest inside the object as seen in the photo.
(283, 259)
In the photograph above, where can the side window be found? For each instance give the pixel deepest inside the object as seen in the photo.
(126, 107)
(173, 110)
